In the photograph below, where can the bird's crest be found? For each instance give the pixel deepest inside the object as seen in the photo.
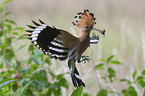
(83, 19)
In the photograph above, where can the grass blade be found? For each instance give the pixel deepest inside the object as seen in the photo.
(24, 89)
(5, 83)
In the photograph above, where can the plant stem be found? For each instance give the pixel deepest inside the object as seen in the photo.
(97, 75)
(5, 36)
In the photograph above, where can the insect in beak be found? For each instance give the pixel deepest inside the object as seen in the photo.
(101, 31)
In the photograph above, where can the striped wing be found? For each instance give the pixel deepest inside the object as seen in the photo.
(46, 38)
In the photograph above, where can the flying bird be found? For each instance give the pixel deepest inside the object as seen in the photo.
(62, 45)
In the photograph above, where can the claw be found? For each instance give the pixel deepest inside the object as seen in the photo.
(84, 59)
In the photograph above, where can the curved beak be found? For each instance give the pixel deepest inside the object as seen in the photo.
(101, 31)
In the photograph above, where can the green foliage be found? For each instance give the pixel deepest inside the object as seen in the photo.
(99, 66)
(130, 91)
(4, 83)
(102, 92)
(77, 92)
(115, 62)
(111, 74)
(143, 72)
(24, 89)
(4, 87)
(85, 94)
(109, 58)
(134, 74)
(106, 65)
(7, 1)
(17, 79)
(139, 80)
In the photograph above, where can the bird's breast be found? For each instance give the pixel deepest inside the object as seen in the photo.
(83, 46)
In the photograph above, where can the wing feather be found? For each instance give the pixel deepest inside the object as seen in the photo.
(49, 40)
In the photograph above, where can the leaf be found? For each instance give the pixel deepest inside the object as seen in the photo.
(39, 76)
(36, 59)
(6, 89)
(24, 89)
(31, 48)
(21, 29)
(77, 92)
(21, 37)
(9, 54)
(20, 81)
(9, 27)
(10, 21)
(5, 83)
(115, 62)
(2, 8)
(62, 82)
(15, 33)
(2, 58)
(49, 92)
(142, 83)
(111, 71)
(130, 91)
(101, 60)
(42, 57)
(109, 58)
(102, 92)
(22, 46)
(52, 74)
(143, 72)
(7, 1)
(1, 93)
(34, 66)
(61, 75)
(140, 78)
(40, 83)
(124, 80)
(99, 66)
(134, 74)
(25, 70)
(85, 94)
(7, 13)
(111, 74)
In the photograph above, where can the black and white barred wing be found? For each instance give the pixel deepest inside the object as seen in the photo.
(46, 38)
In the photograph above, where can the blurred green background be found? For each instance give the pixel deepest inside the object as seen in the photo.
(123, 20)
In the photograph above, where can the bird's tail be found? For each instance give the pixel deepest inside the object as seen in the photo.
(77, 81)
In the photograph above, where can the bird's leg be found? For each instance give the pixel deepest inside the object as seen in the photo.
(83, 59)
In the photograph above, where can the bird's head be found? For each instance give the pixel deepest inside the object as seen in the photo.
(86, 20)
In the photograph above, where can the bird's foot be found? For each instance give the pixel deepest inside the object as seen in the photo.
(84, 59)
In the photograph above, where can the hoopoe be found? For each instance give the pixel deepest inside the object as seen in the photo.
(62, 45)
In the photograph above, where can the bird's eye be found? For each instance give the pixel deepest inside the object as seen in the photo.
(86, 27)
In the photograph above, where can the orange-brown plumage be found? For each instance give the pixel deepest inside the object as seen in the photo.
(84, 19)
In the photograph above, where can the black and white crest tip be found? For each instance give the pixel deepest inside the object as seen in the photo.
(45, 38)
(94, 39)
